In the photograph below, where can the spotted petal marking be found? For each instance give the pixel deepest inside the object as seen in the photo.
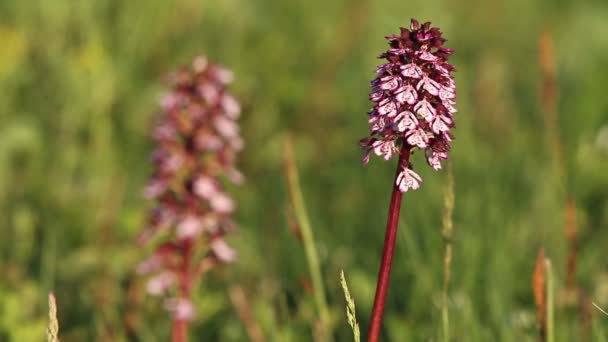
(442, 70)
(384, 148)
(434, 162)
(407, 95)
(429, 85)
(448, 105)
(387, 107)
(376, 96)
(439, 125)
(408, 179)
(447, 137)
(446, 93)
(434, 158)
(426, 110)
(379, 125)
(427, 56)
(406, 121)
(441, 146)
(411, 70)
(389, 82)
(383, 68)
(396, 51)
(418, 138)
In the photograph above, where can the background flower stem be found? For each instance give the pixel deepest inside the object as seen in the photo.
(180, 325)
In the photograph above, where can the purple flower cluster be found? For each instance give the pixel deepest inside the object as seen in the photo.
(414, 96)
(197, 140)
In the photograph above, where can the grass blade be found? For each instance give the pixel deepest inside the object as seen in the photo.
(350, 309)
(539, 288)
(601, 310)
(447, 232)
(310, 248)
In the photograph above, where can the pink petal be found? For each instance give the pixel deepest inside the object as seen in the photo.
(221, 203)
(209, 92)
(159, 284)
(222, 251)
(427, 56)
(426, 110)
(376, 96)
(408, 179)
(446, 93)
(384, 148)
(439, 126)
(389, 108)
(411, 70)
(434, 158)
(389, 83)
(226, 127)
(406, 121)
(170, 101)
(379, 125)
(417, 138)
(231, 106)
(429, 85)
(449, 107)
(407, 95)
(149, 265)
(205, 187)
(200, 63)
(221, 75)
(189, 227)
(181, 308)
(396, 51)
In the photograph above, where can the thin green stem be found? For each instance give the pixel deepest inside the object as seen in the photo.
(447, 232)
(601, 310)
(310, 248)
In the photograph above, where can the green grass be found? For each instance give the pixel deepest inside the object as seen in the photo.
(79, 86)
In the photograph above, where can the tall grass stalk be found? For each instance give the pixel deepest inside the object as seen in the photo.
(550, 302)
(570, 218)
(539, 290)
(52, 332)
(243, 309)
(447, 233)
(601, 310)
(310, 248)
(549, 95)
(351, 314)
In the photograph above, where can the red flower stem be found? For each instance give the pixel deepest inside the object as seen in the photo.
(387, 254)
(180, 326)
(180, 330)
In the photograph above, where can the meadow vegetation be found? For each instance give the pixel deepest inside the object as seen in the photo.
(80, 83)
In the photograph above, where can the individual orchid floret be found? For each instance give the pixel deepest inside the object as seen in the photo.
(413, 95)
(408, 179)
(197, 140)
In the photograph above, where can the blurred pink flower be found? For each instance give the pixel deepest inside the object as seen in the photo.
(197, 140)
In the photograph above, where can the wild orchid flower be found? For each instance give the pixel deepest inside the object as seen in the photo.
(197, 139)
(413, 97)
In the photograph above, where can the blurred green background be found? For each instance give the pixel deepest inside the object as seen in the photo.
(79, 88)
